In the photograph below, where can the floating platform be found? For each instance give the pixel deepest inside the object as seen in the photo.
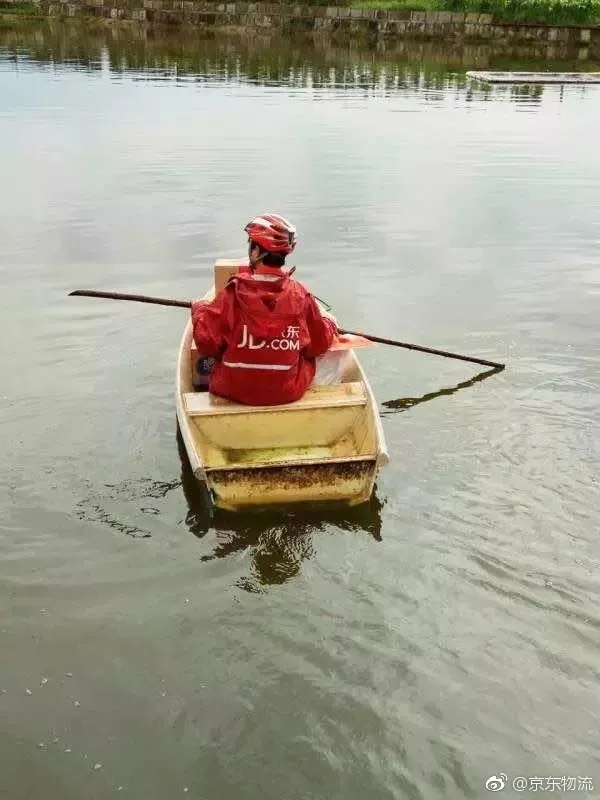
(535, 77)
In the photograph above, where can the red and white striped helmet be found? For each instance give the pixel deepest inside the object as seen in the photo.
(272, 233)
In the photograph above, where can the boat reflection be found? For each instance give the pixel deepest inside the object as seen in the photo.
(278, 540)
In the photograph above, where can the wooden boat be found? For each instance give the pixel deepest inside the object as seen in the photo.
(327, 446)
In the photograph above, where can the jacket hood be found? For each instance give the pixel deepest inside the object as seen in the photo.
(267, 306)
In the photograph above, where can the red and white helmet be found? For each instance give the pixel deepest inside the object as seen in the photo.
(272, 233)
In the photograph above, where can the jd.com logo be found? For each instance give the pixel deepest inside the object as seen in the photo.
(290, 340)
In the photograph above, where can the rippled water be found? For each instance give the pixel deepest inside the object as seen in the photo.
(447, 632)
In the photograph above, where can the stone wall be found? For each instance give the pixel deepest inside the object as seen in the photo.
(335, 22)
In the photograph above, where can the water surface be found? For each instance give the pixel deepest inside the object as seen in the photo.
(447, 631)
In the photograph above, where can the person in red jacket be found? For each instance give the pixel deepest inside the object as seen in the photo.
(264, 330)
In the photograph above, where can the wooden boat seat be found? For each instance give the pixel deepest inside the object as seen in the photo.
(320, 418)
(334, 395)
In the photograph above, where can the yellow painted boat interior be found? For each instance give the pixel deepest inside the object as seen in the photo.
(329, 422)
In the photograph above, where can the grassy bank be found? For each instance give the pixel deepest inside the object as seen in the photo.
(553, 12)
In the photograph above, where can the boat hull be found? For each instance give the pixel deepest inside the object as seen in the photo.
(350, 482)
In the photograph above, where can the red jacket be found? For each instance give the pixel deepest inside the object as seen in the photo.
(264, 331)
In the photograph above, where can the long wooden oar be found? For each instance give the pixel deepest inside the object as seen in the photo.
(445, 353)
(163, 301)
(141, 298)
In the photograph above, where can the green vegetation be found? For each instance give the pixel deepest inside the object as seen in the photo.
(25, 9)
(15, 16)
(555, 12)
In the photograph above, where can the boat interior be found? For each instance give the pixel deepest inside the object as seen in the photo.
(329, 423)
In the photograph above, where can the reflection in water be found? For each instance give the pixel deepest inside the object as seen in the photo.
(92, 508)
(404, 403)
(295, 61)
(277, 540)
